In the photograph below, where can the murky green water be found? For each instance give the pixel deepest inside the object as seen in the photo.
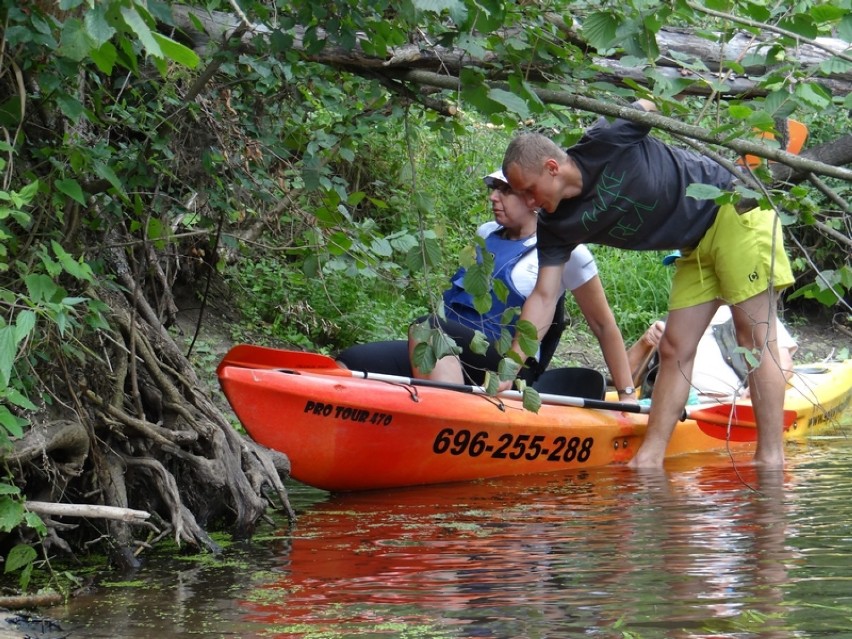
(703, 550)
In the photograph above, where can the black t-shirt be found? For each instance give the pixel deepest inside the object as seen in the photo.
(634, 195)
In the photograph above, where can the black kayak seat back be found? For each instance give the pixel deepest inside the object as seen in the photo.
(572, 381)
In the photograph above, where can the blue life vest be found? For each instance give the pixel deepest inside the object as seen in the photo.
(458, 303)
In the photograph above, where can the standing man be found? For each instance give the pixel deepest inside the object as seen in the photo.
(621, 187)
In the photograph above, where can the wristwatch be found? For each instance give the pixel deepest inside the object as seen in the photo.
(626, 391)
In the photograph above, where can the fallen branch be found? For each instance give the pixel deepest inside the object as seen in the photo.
(16, 602)
(86, 510)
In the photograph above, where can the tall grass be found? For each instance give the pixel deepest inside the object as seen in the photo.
(636, 285)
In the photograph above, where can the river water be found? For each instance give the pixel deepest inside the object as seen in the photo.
(710, 548)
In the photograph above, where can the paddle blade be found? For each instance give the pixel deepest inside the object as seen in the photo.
(735, 422)
(248, 356)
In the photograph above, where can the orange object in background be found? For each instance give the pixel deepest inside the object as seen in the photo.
(797, 134)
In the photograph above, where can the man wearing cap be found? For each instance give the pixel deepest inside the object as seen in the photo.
(621, 187)
(511, 239)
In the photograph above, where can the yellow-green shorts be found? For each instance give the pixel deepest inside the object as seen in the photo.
(740, 256)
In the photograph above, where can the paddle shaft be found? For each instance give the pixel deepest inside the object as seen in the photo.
(720, 421)
(546, 398)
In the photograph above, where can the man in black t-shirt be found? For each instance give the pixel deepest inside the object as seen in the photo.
(621, 187)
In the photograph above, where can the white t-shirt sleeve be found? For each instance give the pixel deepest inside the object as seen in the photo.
(579, 269)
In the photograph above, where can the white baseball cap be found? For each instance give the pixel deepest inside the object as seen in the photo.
(491, 178)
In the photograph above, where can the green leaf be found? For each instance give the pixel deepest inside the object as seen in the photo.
(834, 66)
(800, 24)
(739, 111)
(97, 26)
(827, 12)
(78, 269)
(74, 301)
(424, 202)
(109, 175)
(423, 358)
(600, 29)
(8, 352)
(814, 95)
(13, 424)
(761, 120)
(75, 43)
(20, 556)
(24, 324)
(477, 279)
(428, 253)
(138, 25)
(11, 514)
(104, 57)
(531, 399)
(508, 368)
(157, 231)
(479, 344)
(35, 522)
(526, 335)
(500, 290)
(491, 383)
(339, 243)
(70, 106)
(72, 189)
(703, 191)
(844, 29)
(27, 193)
(177, 52)
(19, 399)
(435, 6)
(380, 246)
(41, 288)
(511, 101)
(504, 342)
(477, 93)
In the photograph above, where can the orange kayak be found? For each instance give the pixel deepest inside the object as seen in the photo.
(342, 432)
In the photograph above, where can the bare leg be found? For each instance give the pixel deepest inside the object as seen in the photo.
(755, 322)
(447, 369)
(684, 329)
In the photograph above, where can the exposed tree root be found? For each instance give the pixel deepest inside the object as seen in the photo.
(143, 438)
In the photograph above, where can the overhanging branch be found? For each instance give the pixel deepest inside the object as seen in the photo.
(742, 147)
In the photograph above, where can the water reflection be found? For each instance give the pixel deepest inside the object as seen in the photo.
(720, 553)
(585, 552)
(709, 548)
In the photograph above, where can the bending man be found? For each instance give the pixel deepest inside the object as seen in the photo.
(621, 187)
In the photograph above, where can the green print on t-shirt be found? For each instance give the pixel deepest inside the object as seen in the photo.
(607, 198)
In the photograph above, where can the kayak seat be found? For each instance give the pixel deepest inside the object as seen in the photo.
(573, 382)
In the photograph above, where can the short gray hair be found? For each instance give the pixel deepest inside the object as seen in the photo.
(530, 150)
